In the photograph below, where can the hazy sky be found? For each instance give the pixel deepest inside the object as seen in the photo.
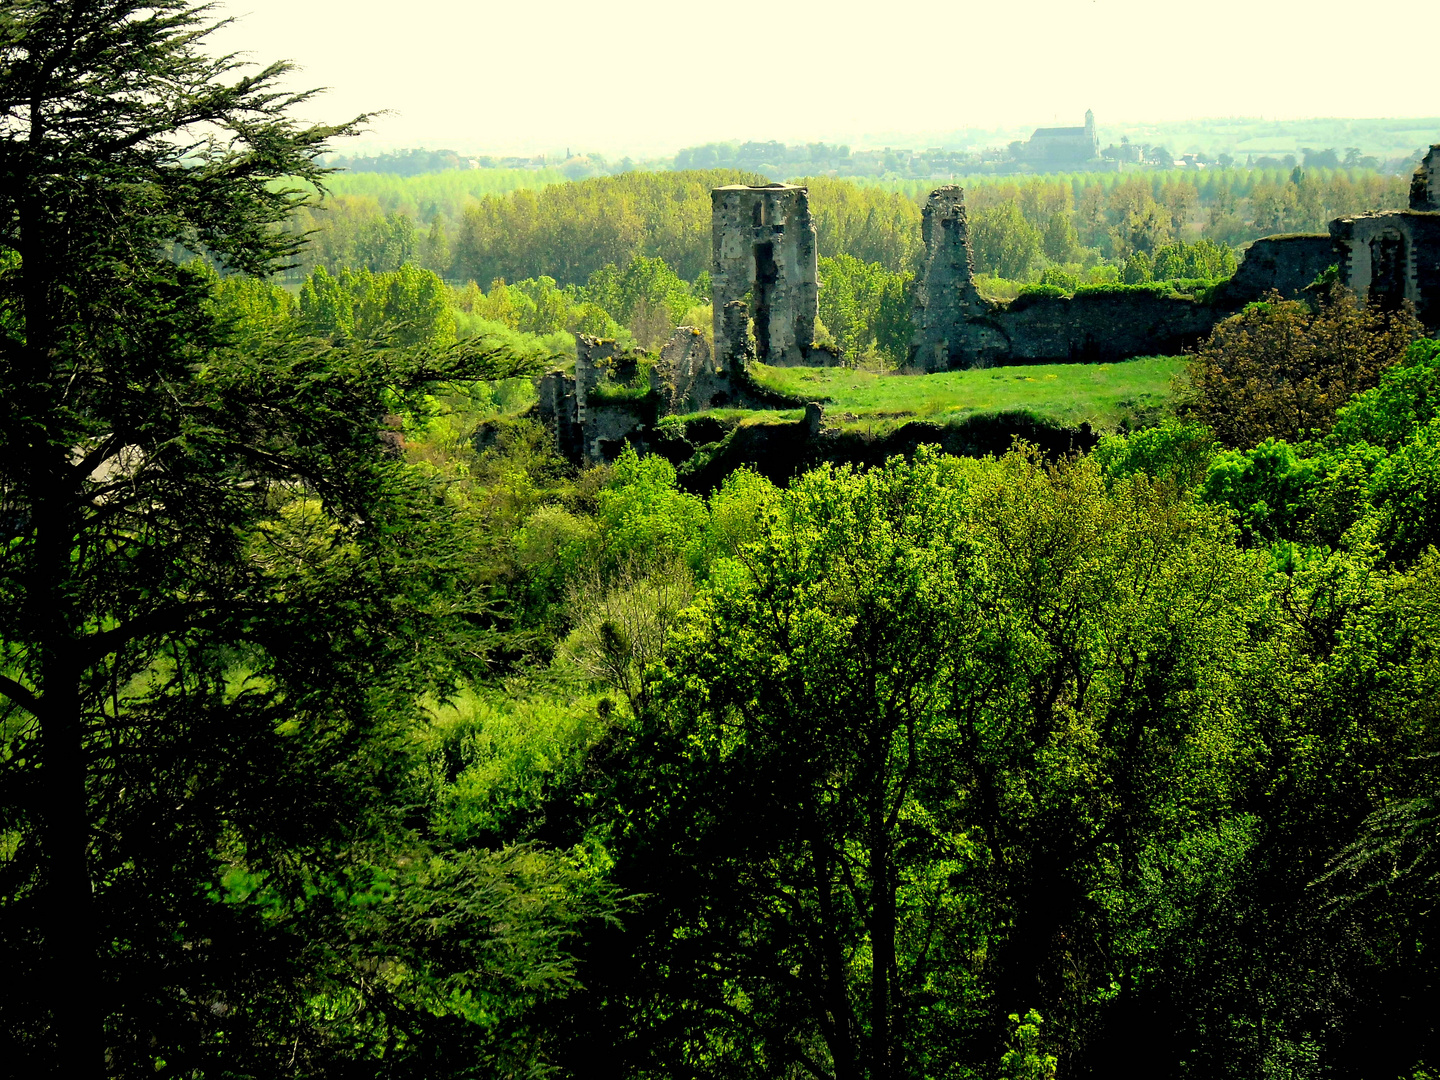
(642, 77)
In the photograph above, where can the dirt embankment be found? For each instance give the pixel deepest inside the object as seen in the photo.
(779, 451)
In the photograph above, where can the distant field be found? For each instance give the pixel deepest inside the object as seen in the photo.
(1103, 395)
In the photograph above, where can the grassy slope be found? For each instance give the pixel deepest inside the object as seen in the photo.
(1067, 394)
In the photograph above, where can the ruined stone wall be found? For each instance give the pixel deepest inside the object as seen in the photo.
(763, 244)
(1097, 327)
(955, 327)
(1286, 264)
(594, 413)
(685, 378)
(558, 411)
(1425, 184)
(1390, 257)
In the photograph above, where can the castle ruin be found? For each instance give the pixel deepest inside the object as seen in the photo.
(766, 299)
(1392, 257)
(763, 244)
(1388, 258)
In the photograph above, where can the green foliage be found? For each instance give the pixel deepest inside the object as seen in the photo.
(252, 306)
(1173, 451)
(642, 281)
(569, 231)
(882, 632)
(1062, 242)
(1139, 269)
(866, 223)
(1202, 259)
(1026, 1059)
(1407, 396)
(642, 514)
(1270, 489)
(496, 758)
(1046, 288)
(408, 306)
(1063, 280)
(866, 308)
(1003, 242)
(1282, 370)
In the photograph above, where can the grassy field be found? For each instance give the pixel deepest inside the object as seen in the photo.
(1104, 395)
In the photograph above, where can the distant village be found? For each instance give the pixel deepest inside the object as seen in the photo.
(1047, 150)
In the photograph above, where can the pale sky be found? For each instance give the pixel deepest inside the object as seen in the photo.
(644, 77)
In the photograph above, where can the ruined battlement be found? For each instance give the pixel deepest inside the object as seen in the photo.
(945, 294)
(1391, 257)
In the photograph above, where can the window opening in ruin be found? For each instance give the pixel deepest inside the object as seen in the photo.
(767, 274)
(1387, 270)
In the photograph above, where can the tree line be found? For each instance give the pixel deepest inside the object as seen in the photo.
(1086, 225)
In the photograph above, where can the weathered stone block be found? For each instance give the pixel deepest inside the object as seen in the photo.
(1285, 264)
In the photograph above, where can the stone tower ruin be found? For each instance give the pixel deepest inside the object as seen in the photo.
(945, 296)
(764, 245)
(1425, 184)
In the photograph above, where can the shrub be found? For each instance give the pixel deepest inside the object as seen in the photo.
(1281, 370)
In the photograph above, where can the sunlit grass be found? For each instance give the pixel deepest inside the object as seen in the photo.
(1069, 394)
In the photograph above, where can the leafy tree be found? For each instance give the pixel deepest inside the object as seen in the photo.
(866, 307)
(1062, 242)
(550, 310)
(409, 306)
(642, 281)
(1003, 242)
(927, 707)
(1139, 268)
(1195, 259)
(801, 694)
(388, 243)
(1407, 396)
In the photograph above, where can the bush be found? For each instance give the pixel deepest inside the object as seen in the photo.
(1044, 289)
(1281, 370)
(1408, 395)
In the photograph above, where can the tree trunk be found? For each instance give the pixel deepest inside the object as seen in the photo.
(75, 995)
(73, 991)
(882, 952)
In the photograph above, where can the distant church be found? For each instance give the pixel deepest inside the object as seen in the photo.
(1063, 146)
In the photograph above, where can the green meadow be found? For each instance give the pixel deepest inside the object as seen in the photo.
(1103, 395)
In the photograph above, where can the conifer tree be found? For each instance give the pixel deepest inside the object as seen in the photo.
(217, 581)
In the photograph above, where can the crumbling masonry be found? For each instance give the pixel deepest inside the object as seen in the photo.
(763, 244)
(1387, 258)
(1393, 256)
